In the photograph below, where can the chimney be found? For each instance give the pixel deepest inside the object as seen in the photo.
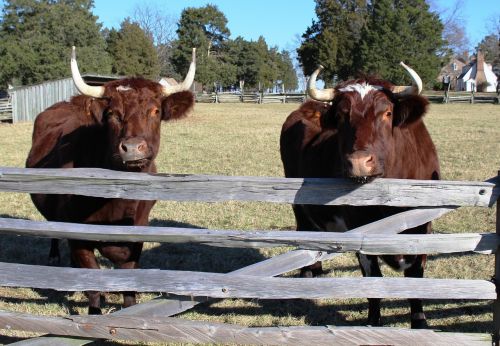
(480, 76)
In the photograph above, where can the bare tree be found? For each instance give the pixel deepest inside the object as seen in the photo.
(161, 27)
(454, 33)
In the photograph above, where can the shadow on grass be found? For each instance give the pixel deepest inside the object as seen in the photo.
(196, 257)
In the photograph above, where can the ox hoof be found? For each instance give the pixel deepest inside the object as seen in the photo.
(374, 321)
(419, 324)
(94, 311)
(308, 272)
(54, 261)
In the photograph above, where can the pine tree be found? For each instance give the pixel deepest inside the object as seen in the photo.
(332, 40)
(36, 39)
(204, 28)
(132, 51)
(401, 30)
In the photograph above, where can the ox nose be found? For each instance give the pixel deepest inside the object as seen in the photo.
(362, 164)
(133, 149)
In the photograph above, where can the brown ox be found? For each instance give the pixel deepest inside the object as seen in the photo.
(370, 129)
(115, 126)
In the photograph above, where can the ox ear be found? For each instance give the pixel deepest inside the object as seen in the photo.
(177, 105)
(97, 108)
(93, 109)
(409, 109)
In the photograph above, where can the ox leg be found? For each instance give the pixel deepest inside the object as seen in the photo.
(304, 224)
(54, 254)
(82, 256)
(418, 320)
(370, 267)
(124, 256)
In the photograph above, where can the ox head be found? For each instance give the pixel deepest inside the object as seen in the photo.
(131, 110)
(367, 113)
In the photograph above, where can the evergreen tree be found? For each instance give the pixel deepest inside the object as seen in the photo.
(204, 28)
(401, 30)
(132, 51)
(36, 38)
(490, 46)
(286, 71)
(333, 39)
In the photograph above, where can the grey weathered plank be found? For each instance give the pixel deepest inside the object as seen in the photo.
(327, 241)
(238, 286)
(114, 184)
(177, 330)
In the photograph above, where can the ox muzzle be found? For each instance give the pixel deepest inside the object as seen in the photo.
(134, 152)
(362, 166)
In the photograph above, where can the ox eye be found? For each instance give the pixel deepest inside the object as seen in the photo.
(155, 112)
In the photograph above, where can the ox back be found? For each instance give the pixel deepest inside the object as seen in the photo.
(366, 132)
(115, 126)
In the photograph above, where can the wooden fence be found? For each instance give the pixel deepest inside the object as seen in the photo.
(150, 321)
(5, 109)
(462, 97)
(251, 97)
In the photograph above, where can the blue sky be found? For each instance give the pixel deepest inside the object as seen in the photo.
(281, 21)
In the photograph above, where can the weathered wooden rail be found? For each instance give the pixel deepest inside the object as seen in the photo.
(150, 322)
(249, 97)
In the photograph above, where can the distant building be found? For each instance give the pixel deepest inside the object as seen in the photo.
(450, 72)
(477, 76)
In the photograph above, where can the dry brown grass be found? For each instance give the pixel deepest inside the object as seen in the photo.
(242, 139)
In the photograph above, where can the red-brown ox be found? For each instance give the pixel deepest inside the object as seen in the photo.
(369, 129)
(115, 126)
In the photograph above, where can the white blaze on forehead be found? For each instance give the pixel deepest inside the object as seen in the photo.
(123, 88)
(361, 89)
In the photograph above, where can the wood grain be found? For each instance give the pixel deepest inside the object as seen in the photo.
(183, 331)
(238, 286)
(115, 184)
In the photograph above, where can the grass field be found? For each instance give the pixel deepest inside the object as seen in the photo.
(242, 139)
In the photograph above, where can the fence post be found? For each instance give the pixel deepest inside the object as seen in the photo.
(496, 303)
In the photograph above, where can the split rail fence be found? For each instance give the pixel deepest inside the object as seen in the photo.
(151, 321)
(249, 97)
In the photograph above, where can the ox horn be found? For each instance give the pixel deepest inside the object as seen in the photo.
(84, 88)
(414, 89)
(320, 95)
(186, 84)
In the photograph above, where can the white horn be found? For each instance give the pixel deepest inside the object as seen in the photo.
(414, 89)
(320, 95)
(84, 88)
(188, 81)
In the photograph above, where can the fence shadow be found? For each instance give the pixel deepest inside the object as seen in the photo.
(196, 257)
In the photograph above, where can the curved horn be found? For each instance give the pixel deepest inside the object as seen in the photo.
(414, 89)
(186, 84)
(320, 95)
(84, 88)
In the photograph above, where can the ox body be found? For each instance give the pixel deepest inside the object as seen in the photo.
(369, 129)
(115, 126)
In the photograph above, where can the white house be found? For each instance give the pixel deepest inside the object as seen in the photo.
(477, 76)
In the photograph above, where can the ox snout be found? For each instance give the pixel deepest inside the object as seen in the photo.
(134, 151)
(362, 164)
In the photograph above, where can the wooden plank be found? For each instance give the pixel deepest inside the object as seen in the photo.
(326, 241)
(115, 184)
(216, 285)
(183, 331)
(496, 303)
